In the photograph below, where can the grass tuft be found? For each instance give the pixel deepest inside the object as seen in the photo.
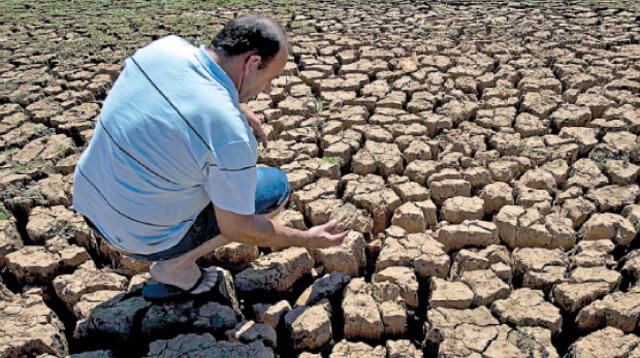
(332, 160)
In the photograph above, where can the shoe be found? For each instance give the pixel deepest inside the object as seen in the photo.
(163, 292)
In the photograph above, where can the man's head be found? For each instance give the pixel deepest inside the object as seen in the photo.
(257, 49)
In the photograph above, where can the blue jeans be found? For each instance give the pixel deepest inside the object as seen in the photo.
(272, 189)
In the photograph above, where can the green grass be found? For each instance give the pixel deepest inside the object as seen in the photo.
(59, 148)
(318, 125)
(4, 213)
(225, 2)
(43, 130)
(523, 146)
(320, 105)
(601, 155)
(25, 168)
(8, 151)
(90, 13)
(8, 87)
(332, 160)
(284, 3)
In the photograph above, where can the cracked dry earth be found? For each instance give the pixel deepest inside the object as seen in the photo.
(486, 156)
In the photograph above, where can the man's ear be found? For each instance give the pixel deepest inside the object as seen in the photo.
(254, 62)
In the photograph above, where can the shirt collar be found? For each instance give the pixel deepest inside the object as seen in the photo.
(218, 72)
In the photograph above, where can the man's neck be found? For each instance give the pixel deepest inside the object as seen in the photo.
(227, 65)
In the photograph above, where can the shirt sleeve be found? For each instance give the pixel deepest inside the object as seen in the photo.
(231, 180)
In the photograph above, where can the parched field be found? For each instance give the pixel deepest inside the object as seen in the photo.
(485, 154)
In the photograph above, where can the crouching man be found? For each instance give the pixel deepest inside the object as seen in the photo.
(170, 173)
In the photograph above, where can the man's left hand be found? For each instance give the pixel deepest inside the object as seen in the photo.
(254, 123)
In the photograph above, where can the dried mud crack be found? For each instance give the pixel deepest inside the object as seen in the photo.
(485, 155)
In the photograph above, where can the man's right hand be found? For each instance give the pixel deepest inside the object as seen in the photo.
(325, 235)
(259, 231)
(254, 123)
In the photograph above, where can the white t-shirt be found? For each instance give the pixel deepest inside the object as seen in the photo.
(170, 140)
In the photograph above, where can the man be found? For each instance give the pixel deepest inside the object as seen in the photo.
(170, 173)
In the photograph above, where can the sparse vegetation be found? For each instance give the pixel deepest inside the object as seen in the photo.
(26, 168)
(332, 160)
(523, 146)
(43, 130)
(4, 213)
(59, 149)
(601, 155)
(320, 105)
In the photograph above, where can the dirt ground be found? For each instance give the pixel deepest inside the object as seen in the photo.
(485, 154)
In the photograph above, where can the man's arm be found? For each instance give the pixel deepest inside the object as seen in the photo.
(254, 123)
(259, 231)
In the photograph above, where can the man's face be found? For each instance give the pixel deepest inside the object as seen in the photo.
(258, 80)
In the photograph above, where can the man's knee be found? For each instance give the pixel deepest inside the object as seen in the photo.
(272, 191)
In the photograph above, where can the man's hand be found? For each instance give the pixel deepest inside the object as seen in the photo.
(254, 123)
(257, 230)
(325, 235)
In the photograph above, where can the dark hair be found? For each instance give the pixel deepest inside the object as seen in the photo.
(251, 33)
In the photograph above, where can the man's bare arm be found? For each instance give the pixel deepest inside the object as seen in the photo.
(259, 231)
